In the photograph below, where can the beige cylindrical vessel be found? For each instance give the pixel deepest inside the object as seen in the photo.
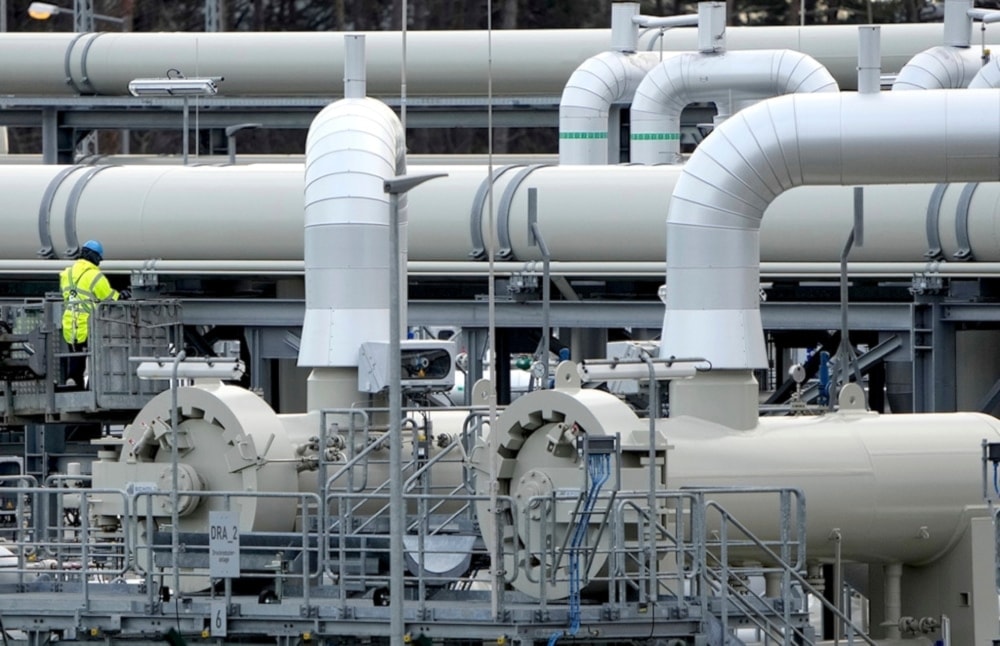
(899, 488)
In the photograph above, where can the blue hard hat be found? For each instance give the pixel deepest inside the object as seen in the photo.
(94, 246)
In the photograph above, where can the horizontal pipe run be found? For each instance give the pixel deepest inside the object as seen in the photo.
(523, 62)
(470, 268)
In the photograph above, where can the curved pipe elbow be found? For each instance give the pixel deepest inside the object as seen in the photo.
(939, 68)
(988, 75)
(715, 78)
(600, 82)
(715, 211)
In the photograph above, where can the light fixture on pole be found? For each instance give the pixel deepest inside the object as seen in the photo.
(395, 187)
(231, 132)
(82, 22)
(176, 84)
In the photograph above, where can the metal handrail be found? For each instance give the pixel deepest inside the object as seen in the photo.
(794, 573)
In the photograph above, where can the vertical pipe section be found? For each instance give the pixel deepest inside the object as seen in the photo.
(353, 146)
(711, 27)
(869, 59)
(713, 220)
(893, 599)
(624, 32)
(957, 23)
(355, 80)
(600, 82)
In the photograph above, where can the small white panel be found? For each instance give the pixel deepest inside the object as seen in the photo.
(711, 26)
(220, 619)
(223, 545)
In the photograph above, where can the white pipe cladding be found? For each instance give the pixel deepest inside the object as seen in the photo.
(524, 61)
(602, 81)
(988, 75)
(713, 221)
(353, 146)
(940, 68)
(190, 213)
(714, 78)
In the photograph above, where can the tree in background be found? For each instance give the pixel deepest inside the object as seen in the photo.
(376, 15)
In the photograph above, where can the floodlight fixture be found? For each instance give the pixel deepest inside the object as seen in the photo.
(44, 10)
(184, 87)
(176, 84)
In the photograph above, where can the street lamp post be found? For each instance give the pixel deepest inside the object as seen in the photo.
(395, 187)
(231, 133)
(176, 85)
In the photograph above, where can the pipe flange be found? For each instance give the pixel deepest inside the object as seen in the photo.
(187, 480)
(531, 488)
(533, 532)
(230, 439)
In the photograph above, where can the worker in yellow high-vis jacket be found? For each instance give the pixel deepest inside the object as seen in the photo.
(83, 285)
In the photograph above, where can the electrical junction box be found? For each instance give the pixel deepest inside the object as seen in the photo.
(425, 366)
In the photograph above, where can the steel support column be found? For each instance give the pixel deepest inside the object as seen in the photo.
(83, 16)
(475, 344)
(57, 143)
(933, 357)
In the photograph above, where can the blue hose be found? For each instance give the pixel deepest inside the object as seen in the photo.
(599, 469)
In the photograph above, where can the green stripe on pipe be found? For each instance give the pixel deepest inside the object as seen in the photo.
(583, 135)
(656, 136)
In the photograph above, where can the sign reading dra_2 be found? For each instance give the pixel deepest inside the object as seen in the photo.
(223, 544)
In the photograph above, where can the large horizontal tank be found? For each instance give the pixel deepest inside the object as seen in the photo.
(899, 488)
(229, 439)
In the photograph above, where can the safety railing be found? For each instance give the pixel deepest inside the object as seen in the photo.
(33, 370)
(182, 560)
(735, 553)
(661, 549)
(684, 552)
(47, 545)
